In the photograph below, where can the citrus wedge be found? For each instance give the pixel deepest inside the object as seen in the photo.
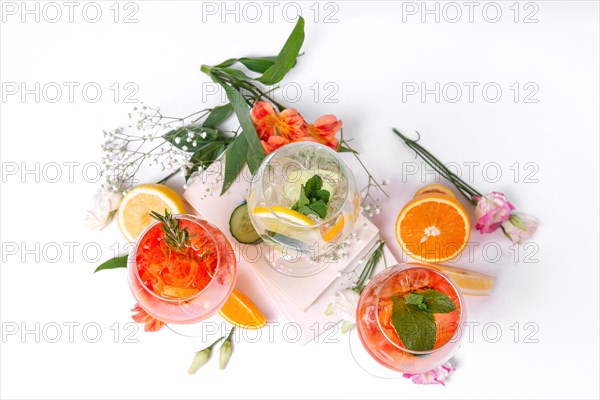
(433, 227)
(240, 311)
(133, 215)
(332, 233)
(469, 282)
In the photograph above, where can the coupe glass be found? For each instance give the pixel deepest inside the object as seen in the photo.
(377, 334)
(303, 244)
(187, 286)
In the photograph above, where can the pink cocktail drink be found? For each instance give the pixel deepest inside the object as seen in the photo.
(187, 285)
(378, 321)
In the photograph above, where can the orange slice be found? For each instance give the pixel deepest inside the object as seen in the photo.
(240, 311)
(433, 227)
(435, 188)
(331, 234)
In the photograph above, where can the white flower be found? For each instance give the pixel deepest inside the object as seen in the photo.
(105, 205)
(344, 305)
(436, 376)
(520, 227)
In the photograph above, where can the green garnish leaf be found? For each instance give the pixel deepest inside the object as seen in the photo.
(412, 317)
(414, 298)
(218, 115)
(286, 58)
(117, 262)
(437, 302)
(308, 211)
(415, 327)
(319, 207)
(323, 195)
(312, 186)
(302, 201)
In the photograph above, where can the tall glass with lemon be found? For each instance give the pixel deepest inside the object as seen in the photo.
(303, 202)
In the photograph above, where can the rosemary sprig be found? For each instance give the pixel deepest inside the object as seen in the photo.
(370, 266)
(176, 238)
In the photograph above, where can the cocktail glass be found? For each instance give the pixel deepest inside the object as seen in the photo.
(375, 328)
(187, 286)
(302, 244)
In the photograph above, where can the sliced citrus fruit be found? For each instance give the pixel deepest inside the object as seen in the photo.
(433, 228)
(469, 282)
(435, 188)
(133, 215)
(332, 233)
(240, 311)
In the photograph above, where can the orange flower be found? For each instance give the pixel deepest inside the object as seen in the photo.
(289, 124)
(264, 119)
(324, 130)
(273, 143)
(151, 324)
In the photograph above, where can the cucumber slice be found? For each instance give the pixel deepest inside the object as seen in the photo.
(241, 227)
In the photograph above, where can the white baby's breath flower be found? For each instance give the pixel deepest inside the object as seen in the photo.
(105, 205)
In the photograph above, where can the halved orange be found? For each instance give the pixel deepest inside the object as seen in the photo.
(240, 311)
(435, 188)
(433, 227)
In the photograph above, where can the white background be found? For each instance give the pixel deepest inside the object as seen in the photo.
(368, 54)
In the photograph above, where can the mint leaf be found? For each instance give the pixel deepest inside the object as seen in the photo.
(313, 185)
(323, 195)
(302, 201)
(437, 302)
(319, 207)
(414, 298)
(415, 327)
(308, 211)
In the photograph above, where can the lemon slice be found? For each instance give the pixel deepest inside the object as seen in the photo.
(286, 226)
(133, 215)
(469, 282)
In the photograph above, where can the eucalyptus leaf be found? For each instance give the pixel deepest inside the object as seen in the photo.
(218, 115)
(287, 56)
(192, 138)
(205, 156)
(117, 262)
(235, 158)
(254, 152)
(258, 64)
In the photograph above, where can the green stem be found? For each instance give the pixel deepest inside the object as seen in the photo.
(465, 189)
(166, 178)
(370, 266)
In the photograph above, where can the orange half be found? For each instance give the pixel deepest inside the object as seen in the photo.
(433, 228)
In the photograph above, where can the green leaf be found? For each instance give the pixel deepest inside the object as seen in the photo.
(205, 156)
(218, 115)
(319, 207)
(346, 149)
(258, 64)
(254, 153)
(415, 327)
(306, 210)
(414, 298)
(437, 302)
(235, 158)
(323, 195)
(227, 63)
(237, 74)
(287, 56)
(117, 262)
(199, 136)
(302, 201)
(313, 185)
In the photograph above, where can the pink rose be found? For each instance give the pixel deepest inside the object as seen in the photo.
(436, 376)
(491, 211)
(519, 227)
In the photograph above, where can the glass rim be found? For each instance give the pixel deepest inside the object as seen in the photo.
(187, 217)
(345, 172)
(416, 265)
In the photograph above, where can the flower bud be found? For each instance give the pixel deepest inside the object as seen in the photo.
(225, 353)
(199, 360)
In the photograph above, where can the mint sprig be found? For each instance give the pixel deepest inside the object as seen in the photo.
(412, 317)
(313, 198)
